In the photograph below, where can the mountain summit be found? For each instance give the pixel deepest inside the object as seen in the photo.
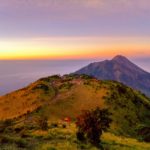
(119, 69)
(120, 57)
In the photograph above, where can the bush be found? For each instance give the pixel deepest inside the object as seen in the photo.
(85, 76)
(144, 133)
(41, 86)
(19, 129)
(64, 126)
(6, 139)
(21, 143)
(54, 125)
(66, 85)
(50, 78)
(80, 136)
(7, 124)
(91, 124)
(43, 123)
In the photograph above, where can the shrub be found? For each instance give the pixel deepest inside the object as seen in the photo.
(85, 76)
(43, 123)
(54, 125)
(66, 85)
(64, 126)
(121, 89)
(80, 136)
(92, 123)
(51, 78)
(8, 122)
(4, 125)
(41, 86)
(144, 133)
(21, 143)
(5, 139)
(19, 128)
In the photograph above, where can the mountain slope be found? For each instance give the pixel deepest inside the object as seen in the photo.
(119, 69)
(25, 100)
(60, 97)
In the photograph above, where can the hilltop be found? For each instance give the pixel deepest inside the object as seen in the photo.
(119, 69)
(58, 97)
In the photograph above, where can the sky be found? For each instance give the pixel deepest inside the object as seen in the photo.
(74, 29)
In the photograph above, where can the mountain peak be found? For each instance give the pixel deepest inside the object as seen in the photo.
(120, 69)
(120, 58)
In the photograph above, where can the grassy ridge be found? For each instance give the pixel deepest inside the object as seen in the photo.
(25, 100)
(58, 97)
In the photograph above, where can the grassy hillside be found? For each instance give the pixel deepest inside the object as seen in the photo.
(62, 94)
(25, 100)
(59, 138)
(58, 97)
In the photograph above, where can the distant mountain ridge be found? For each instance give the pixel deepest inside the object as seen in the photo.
(120, 69)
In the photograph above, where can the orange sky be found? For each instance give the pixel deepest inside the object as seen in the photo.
(74, 29)
(73, 47)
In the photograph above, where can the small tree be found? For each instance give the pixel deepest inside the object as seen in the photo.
(91, 124)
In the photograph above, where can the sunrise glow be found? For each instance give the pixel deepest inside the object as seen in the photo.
(74, 29)
(73, 47)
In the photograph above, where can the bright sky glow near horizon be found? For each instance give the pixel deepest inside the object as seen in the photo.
(74, 29)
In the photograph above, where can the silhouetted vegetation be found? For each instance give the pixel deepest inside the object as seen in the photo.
(50, 78)
(91, 125)
(6, 125)
(66, 85)
(43, 122)
(144, 133)
(41, 86)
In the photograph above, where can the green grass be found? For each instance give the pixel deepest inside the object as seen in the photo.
(59, 97)
(65, 139)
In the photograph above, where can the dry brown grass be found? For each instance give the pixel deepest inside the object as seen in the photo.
(22, 101)
(79, 97)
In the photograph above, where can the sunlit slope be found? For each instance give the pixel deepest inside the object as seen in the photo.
(25, 100)
(58, 97)
(66, 95)
(70, 101)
